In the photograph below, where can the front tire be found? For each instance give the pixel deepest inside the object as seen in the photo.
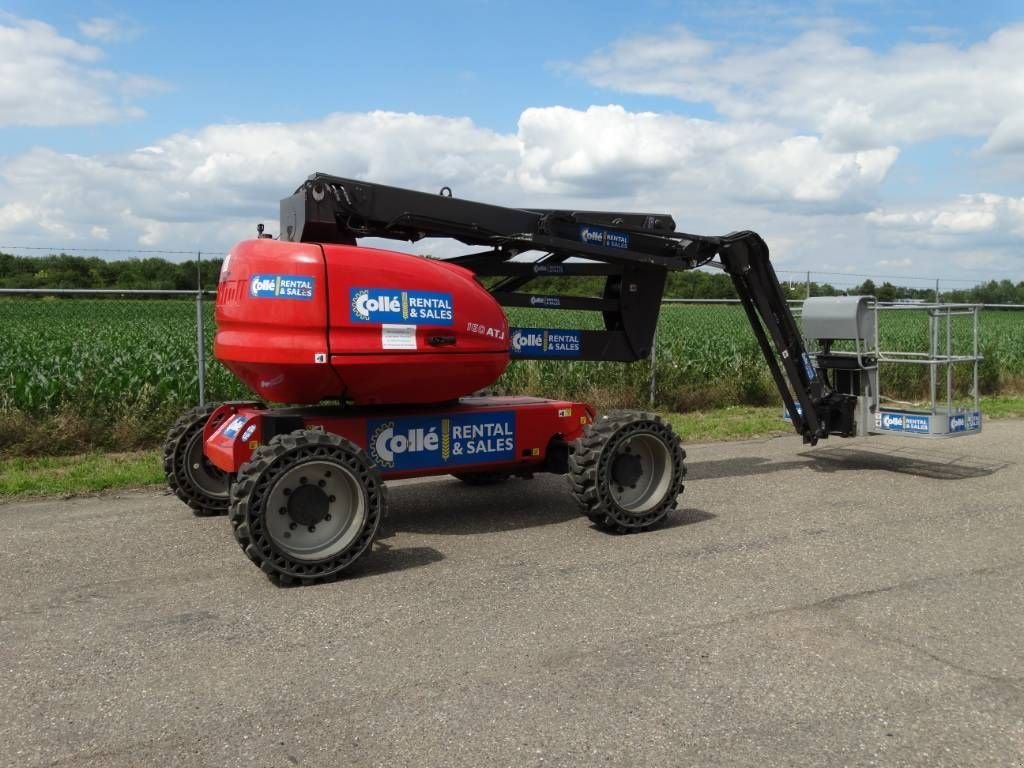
(626, 471)
(306, 506)
(190, 475)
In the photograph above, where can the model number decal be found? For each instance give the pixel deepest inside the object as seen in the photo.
(422, 442)
(391, 305)
(486, 330)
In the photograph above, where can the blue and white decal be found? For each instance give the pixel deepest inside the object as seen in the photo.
(545, 342)
(609, 238)
(808, 368)
(423, 442)
(915, 422)
(965, 422)
(785, 411)
(281, 287)
(893, 422)
(391, 305)
(545, 301)
(231, 430)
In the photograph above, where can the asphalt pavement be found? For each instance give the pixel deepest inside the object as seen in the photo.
(858, 603)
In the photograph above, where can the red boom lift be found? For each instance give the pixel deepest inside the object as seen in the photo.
(379, 353)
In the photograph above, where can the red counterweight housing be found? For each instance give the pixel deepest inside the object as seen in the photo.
(301, 323)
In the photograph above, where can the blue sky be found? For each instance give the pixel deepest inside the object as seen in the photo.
(867, 137)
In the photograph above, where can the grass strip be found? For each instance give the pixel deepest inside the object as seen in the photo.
(93, 472)
(85, 473)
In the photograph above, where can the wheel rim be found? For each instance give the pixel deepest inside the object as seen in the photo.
(315, 510)
(212, 481)
(640, 473)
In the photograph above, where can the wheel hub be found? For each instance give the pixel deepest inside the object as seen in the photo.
(627, 469)
(308, 505)
(204, 475)
(640, 473)
(314, 510)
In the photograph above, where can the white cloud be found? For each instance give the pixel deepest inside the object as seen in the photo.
(207, 189)
(976, 218)
(49, 79)
(853, 97)
(608, 151)
(216, 183)
(107, 29)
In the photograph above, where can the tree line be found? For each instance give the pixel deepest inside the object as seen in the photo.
(68, 271)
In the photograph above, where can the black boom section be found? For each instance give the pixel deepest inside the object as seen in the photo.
(632, 252)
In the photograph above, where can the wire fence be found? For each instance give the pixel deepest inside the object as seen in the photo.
(150, 351)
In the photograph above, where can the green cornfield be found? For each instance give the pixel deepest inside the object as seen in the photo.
(114, 373)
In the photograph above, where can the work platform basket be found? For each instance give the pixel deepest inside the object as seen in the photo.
(844, 334)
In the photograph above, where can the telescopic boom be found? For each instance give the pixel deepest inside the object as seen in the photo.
(633, 252)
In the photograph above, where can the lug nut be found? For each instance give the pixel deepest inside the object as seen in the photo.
(283, 511)
(322, 483)
(312, 528)
(292, 526)
(287, 491)
(331, 499)
(327, 517)
(303, 480)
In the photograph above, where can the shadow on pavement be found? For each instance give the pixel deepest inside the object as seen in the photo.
(450, 507)
(907, 461)
(387, 559)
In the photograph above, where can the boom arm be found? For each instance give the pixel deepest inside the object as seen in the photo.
(632, 251)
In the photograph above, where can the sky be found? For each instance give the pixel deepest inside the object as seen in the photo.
(859, 138)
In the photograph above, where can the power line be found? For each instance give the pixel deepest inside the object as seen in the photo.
(876, 275)
(211, 252)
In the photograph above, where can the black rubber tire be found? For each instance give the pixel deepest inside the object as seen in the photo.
(482, 478)
(255, 480)
(590, 477)
(180, 438)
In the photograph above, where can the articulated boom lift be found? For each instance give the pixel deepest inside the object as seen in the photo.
(398, 343)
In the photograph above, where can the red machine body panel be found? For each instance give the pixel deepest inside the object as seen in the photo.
(405, 329)
(474, 434)
(301, 323)
(272, 321)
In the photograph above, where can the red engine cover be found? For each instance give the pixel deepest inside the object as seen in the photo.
(300, 323)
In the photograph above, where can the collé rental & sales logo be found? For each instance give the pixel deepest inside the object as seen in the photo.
(281, 287)
(609, 238)
(392, 305)
(420, 442)
(546, 342)
(965, 422)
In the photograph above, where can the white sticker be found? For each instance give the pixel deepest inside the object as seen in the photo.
(320, 357)
(397, 336)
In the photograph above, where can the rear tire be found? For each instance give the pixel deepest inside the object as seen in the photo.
(190, 475)
(306, 506)
(626, 471)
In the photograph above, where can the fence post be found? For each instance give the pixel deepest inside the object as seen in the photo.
(938, 296)
(808, 285)
(654, 357)
(200, 332)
